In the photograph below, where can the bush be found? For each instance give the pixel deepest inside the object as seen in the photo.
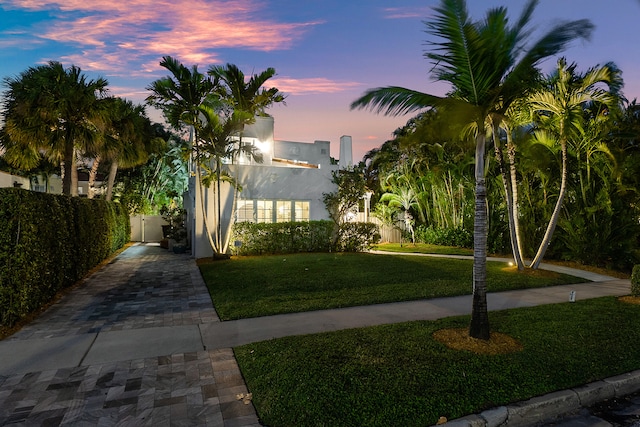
(282, 237)
(48, 242)
(635, 281)
(292, 237)
(357, 236)
(445, 236)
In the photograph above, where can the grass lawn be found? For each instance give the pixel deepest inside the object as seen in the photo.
(423, 248)
(258, 286)
(398, 375)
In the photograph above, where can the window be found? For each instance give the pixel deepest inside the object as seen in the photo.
(245, 211)
(301, 211)
(283, 211)
(272, 211)
(264, 211)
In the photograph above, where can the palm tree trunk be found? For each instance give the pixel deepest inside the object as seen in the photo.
(553, 221)
(201, 195)
(92, 176)
(68, 186)
(231, 220)
(219, 224)
(479, 327)
(509, 197)
(112, 179)
(511, 152)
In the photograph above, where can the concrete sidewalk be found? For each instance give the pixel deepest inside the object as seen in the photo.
(139, 343)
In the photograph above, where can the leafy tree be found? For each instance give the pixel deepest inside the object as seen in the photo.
(488, 67)
(344, 201)
(56, 110)
(161, 181)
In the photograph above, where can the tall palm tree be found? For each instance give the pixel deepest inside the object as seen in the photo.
(488, 67)
(247, 99)
(560, 112)
(217, 133)
(181, 96)
(56, 110)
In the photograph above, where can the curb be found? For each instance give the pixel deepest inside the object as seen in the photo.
(552, 405)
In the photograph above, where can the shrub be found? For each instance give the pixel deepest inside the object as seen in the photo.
(291, 237)
(635, 281)
(458, 236)
(48, 242)
(357, 236)
(282, 237)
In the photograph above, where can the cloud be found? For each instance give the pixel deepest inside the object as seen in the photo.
(113, 36)
(309, 86)
(406, 12)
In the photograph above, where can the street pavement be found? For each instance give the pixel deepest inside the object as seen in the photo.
(139, 343)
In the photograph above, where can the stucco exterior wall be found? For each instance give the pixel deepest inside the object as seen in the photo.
(8, 180)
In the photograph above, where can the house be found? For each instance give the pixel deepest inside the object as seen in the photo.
(8, 180)
(286, 186)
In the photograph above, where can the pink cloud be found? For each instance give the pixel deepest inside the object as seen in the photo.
(310, 86)
(121, 35)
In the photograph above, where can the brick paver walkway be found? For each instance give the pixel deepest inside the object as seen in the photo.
(144, 287)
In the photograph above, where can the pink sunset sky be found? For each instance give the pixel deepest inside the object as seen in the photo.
(326, 53)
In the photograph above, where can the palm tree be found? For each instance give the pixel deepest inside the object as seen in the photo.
(488, 67)
(401, 196)
(56, 110)
(181, 97)
(128, 140)
(216, 134)
(560, 112)
(247, 99)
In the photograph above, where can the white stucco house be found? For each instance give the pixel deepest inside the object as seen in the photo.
(287, 185)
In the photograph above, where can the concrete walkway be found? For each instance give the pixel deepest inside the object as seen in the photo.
(139, 343)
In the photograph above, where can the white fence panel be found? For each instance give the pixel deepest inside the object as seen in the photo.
(147, 228)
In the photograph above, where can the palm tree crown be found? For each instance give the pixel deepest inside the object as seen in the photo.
(53, 109)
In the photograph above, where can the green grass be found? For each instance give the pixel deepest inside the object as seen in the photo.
(258, 286)
(398, 375)
(423, 248)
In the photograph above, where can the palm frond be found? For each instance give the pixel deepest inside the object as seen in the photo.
(395, 100)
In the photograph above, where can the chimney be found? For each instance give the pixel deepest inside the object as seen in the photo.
(346, 155)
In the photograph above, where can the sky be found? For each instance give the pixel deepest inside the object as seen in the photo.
(326, 52)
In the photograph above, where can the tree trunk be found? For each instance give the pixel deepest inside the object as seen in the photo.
(68, 186)
(92, 176)
(509, 191)
(553, 221)
(232, 219)
(194, 144)
(511, 152)
(112, 179)
(479, 327)
(219, 197)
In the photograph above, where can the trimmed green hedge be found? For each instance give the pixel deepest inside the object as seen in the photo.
(308, 236)
(283, 237)
(48, 242)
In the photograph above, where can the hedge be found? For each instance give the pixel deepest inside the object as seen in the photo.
(49, 242)
(291, 237)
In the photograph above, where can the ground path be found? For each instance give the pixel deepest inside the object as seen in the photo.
(139, 343)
